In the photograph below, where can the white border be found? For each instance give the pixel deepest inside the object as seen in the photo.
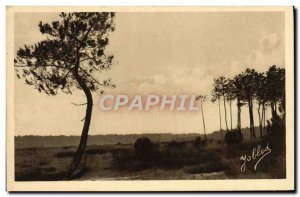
(176, 185)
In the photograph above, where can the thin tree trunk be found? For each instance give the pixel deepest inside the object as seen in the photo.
(260, 119)
(220, 118)
(252, 119)
(264, 118)
(273, 109)
(252, 133)
(230, 115)
(84, 135)
(203, 121)
(225, 113)
(239, 115)
(249, 107)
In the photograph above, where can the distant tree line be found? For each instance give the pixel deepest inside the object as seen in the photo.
(267, 89)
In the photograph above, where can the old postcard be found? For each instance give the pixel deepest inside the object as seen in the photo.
(150, 99)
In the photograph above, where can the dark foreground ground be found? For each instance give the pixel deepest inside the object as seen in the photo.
(168, 160)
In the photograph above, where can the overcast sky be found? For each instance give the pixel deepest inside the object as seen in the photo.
(162, 53)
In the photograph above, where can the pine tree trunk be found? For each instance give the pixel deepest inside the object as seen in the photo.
(84, 135)
(264, 118)
(225, 113)
(252, 133)
(252, 119)
(220, 118)
(203, 121)
(239, 115)
(230, 115)
(273, 109)
(260, 119)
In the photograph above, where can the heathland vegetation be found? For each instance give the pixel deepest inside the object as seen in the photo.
(69, 60)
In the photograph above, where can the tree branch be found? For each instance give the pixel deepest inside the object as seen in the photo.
(91, 76)
(26, 66)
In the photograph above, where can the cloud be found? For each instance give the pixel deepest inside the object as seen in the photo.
(198, 78)
(269, 43)
(270, 51)
(184, 80)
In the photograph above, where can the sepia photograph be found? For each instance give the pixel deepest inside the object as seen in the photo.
(150, 98)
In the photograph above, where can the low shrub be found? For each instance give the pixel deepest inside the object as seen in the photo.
(96, 151)
(233, 137)
(144, 149)
(65, 154)
(175, 144)
(199, 142)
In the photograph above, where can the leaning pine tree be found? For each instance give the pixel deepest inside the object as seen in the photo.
(68, 59)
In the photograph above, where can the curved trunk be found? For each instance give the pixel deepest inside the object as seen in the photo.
(84, 135)
(203, 121)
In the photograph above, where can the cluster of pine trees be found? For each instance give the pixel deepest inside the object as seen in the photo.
(267, 89)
